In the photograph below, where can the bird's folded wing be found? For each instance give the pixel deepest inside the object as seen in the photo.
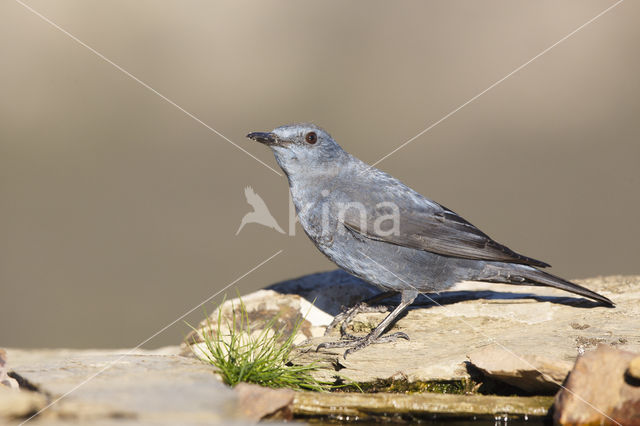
(441, 231)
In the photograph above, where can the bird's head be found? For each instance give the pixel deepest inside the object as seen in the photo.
(302, 148)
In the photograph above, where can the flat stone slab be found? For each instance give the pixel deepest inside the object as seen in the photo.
(526, 336)
(359, 406)
(111, 386)
(533, 374)
(445, 329)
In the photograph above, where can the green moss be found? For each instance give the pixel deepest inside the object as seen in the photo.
(361, 327)
(458, 387)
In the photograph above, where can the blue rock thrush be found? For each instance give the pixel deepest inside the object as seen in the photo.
(378, 229)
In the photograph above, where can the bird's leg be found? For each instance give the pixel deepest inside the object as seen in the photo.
(361, 308)
(346, 316)
(354, 344)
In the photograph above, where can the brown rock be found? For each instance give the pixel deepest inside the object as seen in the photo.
(258, 403)
(597, 392)
(634, 368)
(531, 373)
(5, 380)
(19, 405)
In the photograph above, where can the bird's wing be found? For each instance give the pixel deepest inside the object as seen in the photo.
(433, 228)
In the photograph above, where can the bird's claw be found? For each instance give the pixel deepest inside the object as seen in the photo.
(356, 343)
(338, 319)
(345, 317)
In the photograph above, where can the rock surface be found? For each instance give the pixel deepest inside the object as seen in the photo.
(527, 337)
(159, 387)
(18, 405)
(634, 368)
(360, 406)
(150, 387)
(597, 392)
(259, 403)
(531, 373)
(548, 326)
(5, 380)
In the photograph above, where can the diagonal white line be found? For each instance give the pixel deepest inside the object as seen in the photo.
(491, 339)
(142, 83)
(497, 82)
(109, 365)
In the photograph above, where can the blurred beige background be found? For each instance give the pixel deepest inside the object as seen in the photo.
(119, 212)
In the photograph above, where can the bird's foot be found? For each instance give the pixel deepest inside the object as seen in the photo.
(345, 317)
(356, 343)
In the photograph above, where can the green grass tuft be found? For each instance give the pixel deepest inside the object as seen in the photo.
(263, 357)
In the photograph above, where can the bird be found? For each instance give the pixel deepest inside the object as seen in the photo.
(260, 213)
(380, 230)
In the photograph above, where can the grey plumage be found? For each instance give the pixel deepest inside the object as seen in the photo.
(344, 205)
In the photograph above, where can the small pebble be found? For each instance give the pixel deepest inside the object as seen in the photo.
(634, 368)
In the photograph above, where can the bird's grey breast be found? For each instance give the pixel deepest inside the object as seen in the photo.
(322, 205)
(312, 209)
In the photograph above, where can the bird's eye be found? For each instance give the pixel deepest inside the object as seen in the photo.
(311, 137)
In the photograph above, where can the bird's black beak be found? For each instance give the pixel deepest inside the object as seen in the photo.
(263, 137)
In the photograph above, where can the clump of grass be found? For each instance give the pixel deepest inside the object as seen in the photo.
(241, 355)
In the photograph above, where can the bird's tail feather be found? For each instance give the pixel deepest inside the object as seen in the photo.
(536, 277)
